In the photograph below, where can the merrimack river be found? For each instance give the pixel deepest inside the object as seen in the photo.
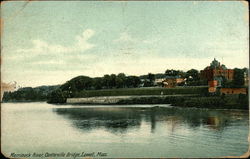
(40, 130)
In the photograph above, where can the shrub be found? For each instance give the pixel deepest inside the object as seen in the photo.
(58, 96)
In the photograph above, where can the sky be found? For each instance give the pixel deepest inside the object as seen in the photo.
(47, 43)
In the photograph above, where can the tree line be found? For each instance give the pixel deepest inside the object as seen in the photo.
(238, 78)
(40, 93)
(106, 82)
(113, 81)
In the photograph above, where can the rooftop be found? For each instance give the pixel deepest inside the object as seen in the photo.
(216, 64)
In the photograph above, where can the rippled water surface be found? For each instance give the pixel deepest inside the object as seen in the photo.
(123, 131)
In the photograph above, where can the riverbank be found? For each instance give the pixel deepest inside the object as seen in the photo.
(179, 96)
(202, 90)
(214, 102)
(143, 99)
(60, 96)
(23, 101)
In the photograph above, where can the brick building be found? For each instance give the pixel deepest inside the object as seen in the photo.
(217, 72)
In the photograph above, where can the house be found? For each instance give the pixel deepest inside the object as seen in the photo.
(172, 81)
(159, 81)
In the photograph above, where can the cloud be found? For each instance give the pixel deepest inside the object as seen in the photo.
(43, 56)
(125, 37)
(42, 47)
(82, 41)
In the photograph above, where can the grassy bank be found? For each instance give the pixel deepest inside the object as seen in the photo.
(214, 102)
(228, 102)
(200, 97)
(141, 91)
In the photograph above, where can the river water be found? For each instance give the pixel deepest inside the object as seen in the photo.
(122, 131)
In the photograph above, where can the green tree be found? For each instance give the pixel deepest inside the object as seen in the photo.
(78, 83)
(106, 81)
(112, 81)
(172, 72)
(238, 77)
(182, 74)
(98, 83)
(133, 81)
(151, 78)
(226, 83)
(57, 96)
(121, 80)
(192, 75)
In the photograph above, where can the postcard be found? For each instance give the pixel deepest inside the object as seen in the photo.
(124, 79)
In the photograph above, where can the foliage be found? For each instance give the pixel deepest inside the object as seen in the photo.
(238, 78)
(159, 75)
(193, 75)
(151, 79)
(200, 82)
(172, 72)
(120, 84)
(77, 84)
(216, 102)
(29, 94)
(193, 78)
(152, 100)
(132, 82)
(58, 96)
(243, 100)
(142, 91)
(106, 82)
(223, 102)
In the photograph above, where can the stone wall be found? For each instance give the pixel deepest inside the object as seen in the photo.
(97, 100)
(116, 99)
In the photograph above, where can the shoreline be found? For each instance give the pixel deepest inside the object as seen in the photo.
(124, 105)
(144, 99)
(24, 101)
(195, 101)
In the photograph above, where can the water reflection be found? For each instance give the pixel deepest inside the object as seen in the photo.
(113, 119)
(121, 119)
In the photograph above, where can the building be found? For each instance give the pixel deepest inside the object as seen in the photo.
(212, 83)
(172, 81)
(215, 74)
(216, 71)
(159, 81)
